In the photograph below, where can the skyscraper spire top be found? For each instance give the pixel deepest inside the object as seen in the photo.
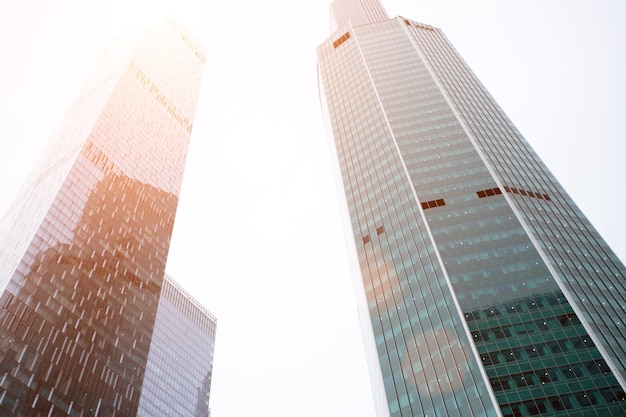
(359, 12)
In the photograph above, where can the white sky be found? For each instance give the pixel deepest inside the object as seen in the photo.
(258, 238)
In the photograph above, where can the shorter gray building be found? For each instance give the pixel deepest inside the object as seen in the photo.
(178, 373)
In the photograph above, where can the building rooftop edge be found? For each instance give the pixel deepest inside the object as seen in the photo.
(187, 295)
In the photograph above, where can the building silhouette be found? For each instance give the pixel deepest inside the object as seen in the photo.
(482, 288)
(84, 246)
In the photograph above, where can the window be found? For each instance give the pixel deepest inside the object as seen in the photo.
(342, 39)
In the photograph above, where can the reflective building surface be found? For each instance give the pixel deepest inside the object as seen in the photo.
(483, 289)
(177, 380)
(83, 248)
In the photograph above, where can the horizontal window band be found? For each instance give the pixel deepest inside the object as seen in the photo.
(341, 40)
(488, 193)
(433, 203)
(534, 194)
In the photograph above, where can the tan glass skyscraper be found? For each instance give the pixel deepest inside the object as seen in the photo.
(484, 290)
(83, 248)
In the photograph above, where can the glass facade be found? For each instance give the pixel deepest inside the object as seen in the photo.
(83, 248)
(177, 380)
(487, 291)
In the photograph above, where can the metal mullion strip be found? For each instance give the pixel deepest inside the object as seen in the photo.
(437, 254)
(432, 292)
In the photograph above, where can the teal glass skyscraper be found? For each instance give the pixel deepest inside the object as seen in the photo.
(483, 289)
(84, 246)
